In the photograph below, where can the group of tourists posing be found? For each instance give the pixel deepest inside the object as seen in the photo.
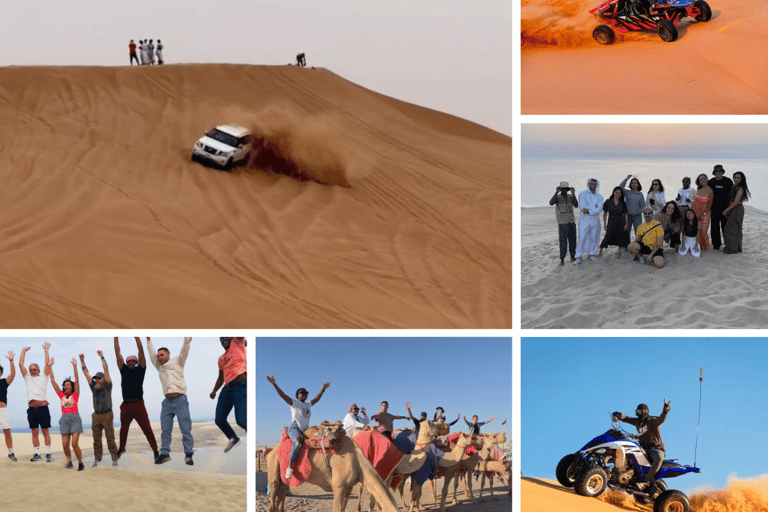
(232, 374)
(641, 223)
(356, 419)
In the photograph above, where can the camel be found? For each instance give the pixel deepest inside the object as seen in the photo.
(413, 461)
(446, 467)
(337, 472)
(470, 464)
(502, 467)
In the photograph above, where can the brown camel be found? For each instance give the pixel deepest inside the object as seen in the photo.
(337, 472)
(500, 467)
(470, 464)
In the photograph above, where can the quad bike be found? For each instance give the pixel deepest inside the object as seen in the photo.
(624, 16)
(616, 460)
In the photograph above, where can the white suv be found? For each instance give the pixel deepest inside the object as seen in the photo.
(224, 145)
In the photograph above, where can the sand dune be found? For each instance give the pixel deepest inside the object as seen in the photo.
(717, 67)
(538, 495)
(620, 294)
(107, 223)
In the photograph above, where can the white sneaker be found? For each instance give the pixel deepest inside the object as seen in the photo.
(288, 473)
(577, 262)
(592, 258)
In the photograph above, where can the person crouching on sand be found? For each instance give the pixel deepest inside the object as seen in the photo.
(300, 414)
(70, 423)
(649, 241)
(171, 373)
(232, 373)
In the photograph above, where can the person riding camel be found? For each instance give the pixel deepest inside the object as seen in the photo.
(649, 438)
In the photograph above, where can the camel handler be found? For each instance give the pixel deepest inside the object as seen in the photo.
(300, 414)
(132, 372)
(233, 372)
(102, 418)
(171, 373)
(353, 422)
(38, 414)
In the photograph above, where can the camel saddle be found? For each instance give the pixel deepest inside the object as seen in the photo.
(326, 437)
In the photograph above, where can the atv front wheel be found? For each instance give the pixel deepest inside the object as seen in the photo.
(592, 481)
(667, 31)
(705, 13)
(604, 34)
(566, 471)
(671, 501)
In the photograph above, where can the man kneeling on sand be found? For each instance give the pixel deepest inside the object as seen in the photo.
(650, 238)
(171, 372)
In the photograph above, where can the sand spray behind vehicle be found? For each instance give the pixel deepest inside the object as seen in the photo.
(299, 146)
(557, 22)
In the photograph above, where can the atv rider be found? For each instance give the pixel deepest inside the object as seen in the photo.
(649, 438)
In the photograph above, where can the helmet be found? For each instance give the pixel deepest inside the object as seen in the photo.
(642, 411)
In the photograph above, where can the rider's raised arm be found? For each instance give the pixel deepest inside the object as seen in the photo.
(118, 355)
(288, 400)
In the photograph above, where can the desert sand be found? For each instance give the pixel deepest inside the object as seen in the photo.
(172, 487)
(716, 67)
(741, 495)
(309, 498)
(108, 224)
(714, 291)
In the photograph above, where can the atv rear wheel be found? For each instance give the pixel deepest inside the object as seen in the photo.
(566, 471)
(667, 31)
(591, 482)
(671, 501)
(705, 13)
(604, 34)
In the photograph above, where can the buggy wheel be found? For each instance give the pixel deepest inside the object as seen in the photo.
(566, 471)
(705, 13)
(591, 482)
(667, 31)
(604, 34)
(671, 501)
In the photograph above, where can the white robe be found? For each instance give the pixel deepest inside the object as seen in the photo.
(151, 50)
(589, 223)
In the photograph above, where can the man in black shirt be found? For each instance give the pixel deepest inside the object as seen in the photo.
(721, 188)
(649, 437)
(132, 373)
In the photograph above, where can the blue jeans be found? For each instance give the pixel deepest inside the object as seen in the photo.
(177, 406)
(293, 432)
(633, 222)
(237, 397)
(567, 234)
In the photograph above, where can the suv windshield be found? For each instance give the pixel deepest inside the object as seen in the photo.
(229, 140)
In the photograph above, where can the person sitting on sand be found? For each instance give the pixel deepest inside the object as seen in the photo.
(670, 219)
(353, 422)
(171, 373)
(233, 375)
(102, 418)
(386, 420)
(474, 427)
(690, 235)
(649, 438)
(5, 418)
(132, 373)
(650, 237)
(70, 423)
(38, 414)
(300, 414)
(591, 203)
(563, 201)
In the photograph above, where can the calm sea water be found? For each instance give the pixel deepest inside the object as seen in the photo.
(541, 176)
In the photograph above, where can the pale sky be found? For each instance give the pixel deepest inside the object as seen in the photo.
(454, 56)
(200, 371)
(671, 140)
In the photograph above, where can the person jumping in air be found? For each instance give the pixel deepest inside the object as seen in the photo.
(70, 424)
(233, 374)
(300, 414)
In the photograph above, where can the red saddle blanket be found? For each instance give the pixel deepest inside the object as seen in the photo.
(452, 439)
(380, 451)
(303, 467)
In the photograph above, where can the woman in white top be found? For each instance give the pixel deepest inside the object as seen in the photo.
(300, 414)
(655, 198)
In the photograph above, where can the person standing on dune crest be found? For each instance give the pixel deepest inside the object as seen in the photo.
(159, 52)
(301, 60)
(171, 373)
(132, 52)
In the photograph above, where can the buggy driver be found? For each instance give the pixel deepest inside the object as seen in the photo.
(649, 438)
